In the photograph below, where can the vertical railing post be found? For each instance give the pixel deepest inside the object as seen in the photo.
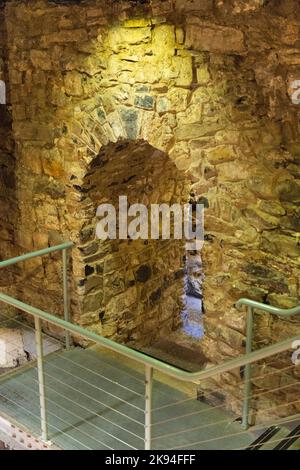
(41, 377)
(248, 370)
(148, 406)
(66, 296)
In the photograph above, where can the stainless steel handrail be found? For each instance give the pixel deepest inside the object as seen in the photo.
(150, 363)
(253, 306)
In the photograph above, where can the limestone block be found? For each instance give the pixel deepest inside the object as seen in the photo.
(119, 38)
(188, 132)
(281, 245)
(203, 6)
(47, 216)
(73, 84)
(220, 154)
(185, 71)
(19, 112)
(31, 159)
(40, 240)
(180, 150)
(262, 185)
(180, 35)
(271, 207)
(93, 302)
(90, 65)
(41, 59)
(283, 301)
(161, 8)
(116, 124)
(114, 284)
(65, 36)
(163, 40)
(52, 163)
(137, 23)
(145, 102)
(34, 131)
(260, 220)
(162, 105)
(193, 115)
(203, 75)
(131, 122)
(148, 72)
(289, 191)
(228, 136)
(209, 37)
(15, 77)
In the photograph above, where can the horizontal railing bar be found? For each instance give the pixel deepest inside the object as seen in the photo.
(268, 308)
(142, 358)
(36, 254)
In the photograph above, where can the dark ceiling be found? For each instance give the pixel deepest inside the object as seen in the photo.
(82, 1)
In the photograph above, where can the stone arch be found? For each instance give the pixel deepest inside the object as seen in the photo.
(136, 112)
(131, 290)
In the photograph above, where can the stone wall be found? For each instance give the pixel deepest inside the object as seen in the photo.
(8, 207)
(206, 82)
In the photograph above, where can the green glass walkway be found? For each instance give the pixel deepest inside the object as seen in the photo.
(96, 403)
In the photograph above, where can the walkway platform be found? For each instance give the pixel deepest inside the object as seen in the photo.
(97, 402)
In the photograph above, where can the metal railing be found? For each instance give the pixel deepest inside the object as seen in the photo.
(150, 364)
(37, 320)
(253, 307)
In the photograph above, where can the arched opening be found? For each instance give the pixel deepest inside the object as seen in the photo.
(134, 291)
(193, 299)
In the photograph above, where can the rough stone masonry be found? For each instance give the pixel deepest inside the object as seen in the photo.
(206, 83)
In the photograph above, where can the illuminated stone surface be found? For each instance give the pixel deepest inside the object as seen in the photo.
(210, 92)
